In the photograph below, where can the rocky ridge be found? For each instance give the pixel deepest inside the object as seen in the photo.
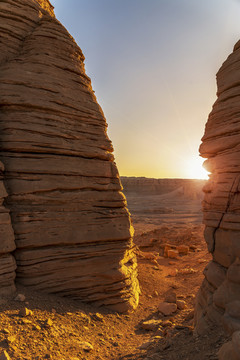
(150, 186)
(219, 296)
(72, 229)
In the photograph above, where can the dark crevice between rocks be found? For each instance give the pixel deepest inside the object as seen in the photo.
(231, 196)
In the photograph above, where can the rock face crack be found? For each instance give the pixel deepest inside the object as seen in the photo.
(232, 193)
(72, 230)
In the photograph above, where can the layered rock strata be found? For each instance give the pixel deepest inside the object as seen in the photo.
(219, 296)
(7, 245)
(72, 228)
(149, 186)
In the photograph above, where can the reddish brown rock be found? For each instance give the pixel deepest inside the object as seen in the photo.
(72, 228)
(167, 308)
(7, 245)
(219, 295)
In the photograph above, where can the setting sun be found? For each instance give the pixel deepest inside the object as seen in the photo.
(194, 168)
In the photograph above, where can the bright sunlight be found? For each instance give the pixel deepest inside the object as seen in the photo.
(194, 168)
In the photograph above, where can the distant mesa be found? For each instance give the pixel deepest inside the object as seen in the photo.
(188, 188)
(62, 208)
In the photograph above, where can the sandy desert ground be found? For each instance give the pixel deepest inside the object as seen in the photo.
(57, 328)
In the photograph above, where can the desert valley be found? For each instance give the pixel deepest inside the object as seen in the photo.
(94, 265)
(165, 219)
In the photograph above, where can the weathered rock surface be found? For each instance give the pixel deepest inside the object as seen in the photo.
(7, 261)
(219, 295)
(72, 227)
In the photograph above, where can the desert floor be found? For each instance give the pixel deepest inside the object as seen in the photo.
(58, 328)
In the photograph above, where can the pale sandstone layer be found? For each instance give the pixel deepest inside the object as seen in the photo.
(219, 296)
(72, 229)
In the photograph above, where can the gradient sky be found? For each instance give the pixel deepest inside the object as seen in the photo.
(152, 64)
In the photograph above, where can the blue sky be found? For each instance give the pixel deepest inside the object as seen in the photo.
(153, 65)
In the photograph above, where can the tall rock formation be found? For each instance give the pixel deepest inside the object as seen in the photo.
(7, 245)
(72, 228)
(219, 296)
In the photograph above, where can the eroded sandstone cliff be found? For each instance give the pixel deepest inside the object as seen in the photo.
(72, 228)
(219, 296)
(7, 246)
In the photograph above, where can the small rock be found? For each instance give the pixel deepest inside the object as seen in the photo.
(25, 312)
(171, 263)
(173, 254)
(187, 271)
(173, 272)
(183, 249)
(151, 325)
(167, 308)
(190, 296)
(170, 297)
(98, 317)
(156, 293)
(190, 315)
(20, 297)
(49, 322)
(36, 327)
(201, 261)
(6, 331)
(54, 311)
(166, 323)
(181, 304)
(85, 346)
(5, 356)
(11, 339)
(166, 248)
(181, 296)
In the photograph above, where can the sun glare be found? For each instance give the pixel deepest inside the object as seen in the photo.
(194, 168)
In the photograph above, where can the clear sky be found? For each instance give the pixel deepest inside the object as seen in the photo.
(153, 65)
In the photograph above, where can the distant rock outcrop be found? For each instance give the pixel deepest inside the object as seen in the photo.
(149, 186)
(72, 228)
(219, 296)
